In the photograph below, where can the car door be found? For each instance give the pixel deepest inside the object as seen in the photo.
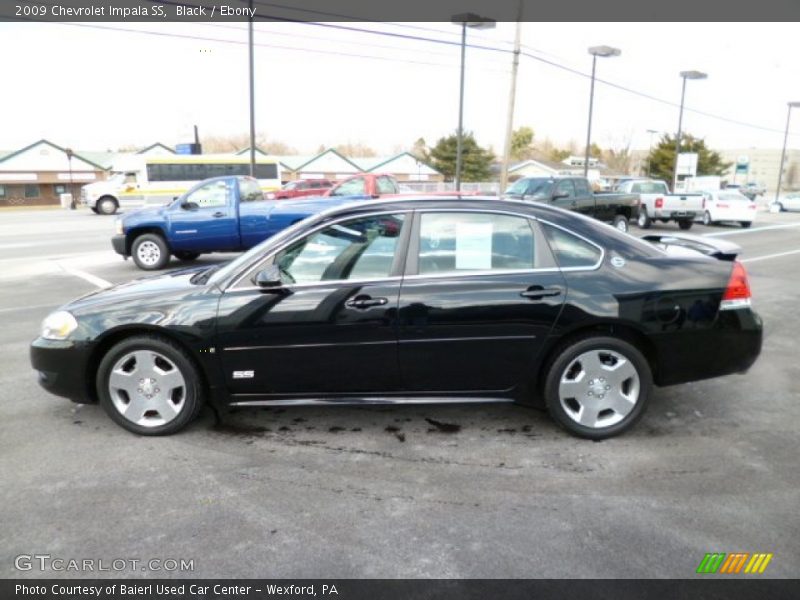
(331, 327)
(585, 200)
(253, 212)
(479, 297)
(564, 195)
(205, 218)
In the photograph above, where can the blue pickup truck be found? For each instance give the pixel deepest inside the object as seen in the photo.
(223, 214)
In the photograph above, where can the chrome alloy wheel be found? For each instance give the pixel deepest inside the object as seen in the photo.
(147, 388)
(599, 388)
(148, 253)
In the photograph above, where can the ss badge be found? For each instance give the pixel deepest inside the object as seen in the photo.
(243, 374)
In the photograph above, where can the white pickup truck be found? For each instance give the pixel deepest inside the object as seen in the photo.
(657, 204)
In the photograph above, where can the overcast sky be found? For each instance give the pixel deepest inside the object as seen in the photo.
(94, 89)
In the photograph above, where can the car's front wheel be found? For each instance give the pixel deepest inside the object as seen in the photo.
(150, 252)
(597, 387)
(149, 385)
(621, 223)
(107, 206)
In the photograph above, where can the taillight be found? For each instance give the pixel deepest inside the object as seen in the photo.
(720, 205)
(659, 203)
(737, 294)
(752, 207)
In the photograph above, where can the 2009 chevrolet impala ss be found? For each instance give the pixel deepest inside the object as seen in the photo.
(414, 300)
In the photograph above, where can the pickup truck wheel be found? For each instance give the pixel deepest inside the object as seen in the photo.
(745, 224)
(707, 218)
(186, 256)
(597, 386)
(685, 224)
(643, 221)
(149, 385)
(107, 206)
(150, 252)
(621, 223)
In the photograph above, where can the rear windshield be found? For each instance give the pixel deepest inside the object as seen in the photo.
(733, 197)
(649, 187)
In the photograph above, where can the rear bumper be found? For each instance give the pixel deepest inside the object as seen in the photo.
(731, 345)
(118, 243)
(61, 368)
(675, 214)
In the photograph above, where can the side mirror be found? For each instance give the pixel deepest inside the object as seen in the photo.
(189, 206)
(269, 278)
(560, 195)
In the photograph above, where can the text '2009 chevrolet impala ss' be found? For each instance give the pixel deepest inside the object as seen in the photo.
(414, 300)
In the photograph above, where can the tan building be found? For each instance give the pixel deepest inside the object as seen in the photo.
(39, 173)
(762, 167)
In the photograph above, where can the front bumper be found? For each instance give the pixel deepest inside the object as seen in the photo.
(118, 242)
(62, 368)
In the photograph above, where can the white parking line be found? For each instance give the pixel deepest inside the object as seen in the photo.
(751, 230)
(768, 256)
(93, 279)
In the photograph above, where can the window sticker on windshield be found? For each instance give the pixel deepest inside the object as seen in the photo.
(473, 245)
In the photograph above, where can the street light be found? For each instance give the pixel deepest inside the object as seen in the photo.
(70, 153)
(685, 75)
(472, 21)
(603, 52)
(790, 105)
(650, 150)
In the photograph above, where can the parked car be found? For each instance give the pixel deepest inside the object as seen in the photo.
(752, 190)
(727, 205)
(575, 193)
(790, 201)
(301, 188)
(420, 300)
(657, 204)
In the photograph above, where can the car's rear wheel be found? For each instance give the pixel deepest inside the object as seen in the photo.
(107, 206)
(643, 220)
(186, 256)
(150, 252)
(597, 387)
(149, 385)
(685, 224)
(707, 218)
(745, 224)
(621, 222)
(781, 208)
(94, 209)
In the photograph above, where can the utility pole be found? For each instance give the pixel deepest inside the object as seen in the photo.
(511, 100)
(252, 97)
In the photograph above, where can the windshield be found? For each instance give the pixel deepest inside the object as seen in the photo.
(290, 186)
(538, 186)
(734, 197)
(234, 266)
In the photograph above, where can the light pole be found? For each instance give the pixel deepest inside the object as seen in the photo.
(604, 52)
(790, 105)
(70, 153)
(472, 21)
(650, 150)
(684, 75)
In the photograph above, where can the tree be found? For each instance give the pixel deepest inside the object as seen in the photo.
(558, 154)
(420, 150)
(475, 161)
(355, 150)
(522, 143)
(662, 157)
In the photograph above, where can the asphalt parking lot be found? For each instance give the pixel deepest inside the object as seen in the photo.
(490, 491)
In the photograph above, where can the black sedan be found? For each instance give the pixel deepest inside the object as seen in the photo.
(413, 300)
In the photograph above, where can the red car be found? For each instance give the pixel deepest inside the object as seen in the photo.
(302, 187)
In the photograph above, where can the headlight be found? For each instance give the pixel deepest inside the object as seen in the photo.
(58, 325)
(118, 226)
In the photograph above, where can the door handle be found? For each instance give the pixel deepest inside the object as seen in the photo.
(365, 302)
(536, 291)
(218, 214)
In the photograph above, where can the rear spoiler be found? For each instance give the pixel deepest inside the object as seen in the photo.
(708, 246)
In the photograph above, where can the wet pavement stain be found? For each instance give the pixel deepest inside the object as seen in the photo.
(443, 427)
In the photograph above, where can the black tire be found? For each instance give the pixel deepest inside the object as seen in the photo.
(685, 224)
(107, 205)
(620, 222)
(643, 220)
(150, 252)
(94, 209)
(745, 224)
(186, 256)
(707, 219)
(780, 207)
(564, 357)
(193, 395)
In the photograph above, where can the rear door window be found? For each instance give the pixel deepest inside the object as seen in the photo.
(570, 250)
